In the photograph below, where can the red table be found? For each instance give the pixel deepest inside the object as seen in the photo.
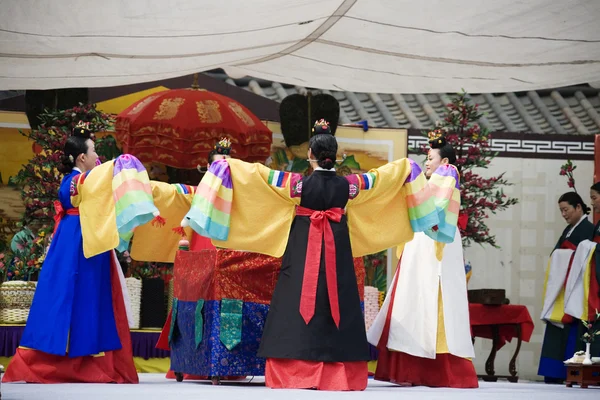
(213, 275)
(500, 324)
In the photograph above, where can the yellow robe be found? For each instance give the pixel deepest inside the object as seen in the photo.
(112, 203)
(378, 217)
(94, 197)
(159, 244)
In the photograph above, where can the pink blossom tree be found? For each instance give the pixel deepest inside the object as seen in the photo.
(480, 196)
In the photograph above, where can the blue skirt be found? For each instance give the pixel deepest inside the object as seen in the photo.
(72, 311)
(559, 345)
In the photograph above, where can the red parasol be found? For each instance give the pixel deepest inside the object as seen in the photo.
(179, 128)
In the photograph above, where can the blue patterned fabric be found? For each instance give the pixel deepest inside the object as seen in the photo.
(211, 357)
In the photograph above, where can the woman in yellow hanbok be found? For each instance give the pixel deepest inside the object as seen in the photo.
(314, 336)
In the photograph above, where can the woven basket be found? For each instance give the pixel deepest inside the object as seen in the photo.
(371, 305)
(134, 287)
(15, 301)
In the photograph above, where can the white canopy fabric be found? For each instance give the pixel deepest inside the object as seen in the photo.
(385, 46)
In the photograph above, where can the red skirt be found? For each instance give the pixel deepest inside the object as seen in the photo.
(446, 370)
(299, 374)
(34, 366)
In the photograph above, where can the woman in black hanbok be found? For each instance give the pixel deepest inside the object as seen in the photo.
(330, 327)
(561, 342)
(314, 336)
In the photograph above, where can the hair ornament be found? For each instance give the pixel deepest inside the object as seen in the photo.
(321, 126)
(223, 146)
(437, 138)
(81, 128)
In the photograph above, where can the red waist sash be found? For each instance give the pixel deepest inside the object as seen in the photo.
(320, 230)
(60, 212)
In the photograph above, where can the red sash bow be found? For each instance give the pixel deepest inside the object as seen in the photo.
(59, 213)
(320, 230)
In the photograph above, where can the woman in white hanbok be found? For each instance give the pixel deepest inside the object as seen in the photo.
(422, 331)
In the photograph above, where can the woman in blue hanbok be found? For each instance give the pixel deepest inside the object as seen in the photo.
(77, 329)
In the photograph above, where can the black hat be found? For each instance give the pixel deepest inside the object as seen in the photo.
(297, 121)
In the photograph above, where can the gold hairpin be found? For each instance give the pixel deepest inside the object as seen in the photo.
(224, 142)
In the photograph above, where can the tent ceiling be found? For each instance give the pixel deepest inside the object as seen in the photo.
(385, 46)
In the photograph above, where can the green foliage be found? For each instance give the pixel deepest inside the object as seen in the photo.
(40, 180)
(376, 270)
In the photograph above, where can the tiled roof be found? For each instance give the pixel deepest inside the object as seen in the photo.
(573, 110)
(7, 94)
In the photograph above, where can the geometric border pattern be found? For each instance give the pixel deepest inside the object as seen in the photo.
(527, 145)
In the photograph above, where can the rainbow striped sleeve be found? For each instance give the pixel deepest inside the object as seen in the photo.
(183, 189)
(278, 178)
(210, 212)
(134, 205)
(362, 182)
(366, 181)
(445, 191)
(421, 209)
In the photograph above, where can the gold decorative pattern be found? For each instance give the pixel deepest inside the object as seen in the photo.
(199, 135)
(142, 104)
(237, 109)
(209, 111)
(168, 108)
(146, 156)
(147, 141)
(166, 157)
(122, 124)
(202, 146)
(166, 142)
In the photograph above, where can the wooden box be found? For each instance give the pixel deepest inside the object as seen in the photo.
(583, 375)
(488, 296)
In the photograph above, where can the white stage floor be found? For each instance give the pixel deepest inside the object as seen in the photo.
(155, 386)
